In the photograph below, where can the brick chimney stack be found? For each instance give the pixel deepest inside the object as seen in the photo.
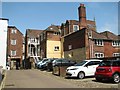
(82, 16)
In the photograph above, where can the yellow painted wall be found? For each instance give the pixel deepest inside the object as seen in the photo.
(50, 49)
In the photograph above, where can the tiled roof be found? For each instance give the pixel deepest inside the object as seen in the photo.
(104, 35)
(96, 35)
(110, 35)
(53, 28)
(33, 32)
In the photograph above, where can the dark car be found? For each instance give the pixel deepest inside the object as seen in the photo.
(109, 69)
(49, 64)
(45, 65)
(63, 62)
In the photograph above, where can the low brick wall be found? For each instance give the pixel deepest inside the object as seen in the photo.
(63, 71)
(60, 70)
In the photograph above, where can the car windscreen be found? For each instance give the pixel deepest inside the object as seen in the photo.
(105, 63)
(80, 63)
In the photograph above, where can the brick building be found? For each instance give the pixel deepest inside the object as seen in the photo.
(50, 46)
(80, 39)
(32, 47)
(14, 47)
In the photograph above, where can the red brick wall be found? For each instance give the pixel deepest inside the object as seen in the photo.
(51, 36)
(19, 42)
(76, 39)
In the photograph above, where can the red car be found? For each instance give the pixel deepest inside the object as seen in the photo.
(109, 69)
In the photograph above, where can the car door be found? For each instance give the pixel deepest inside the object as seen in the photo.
(91, 67)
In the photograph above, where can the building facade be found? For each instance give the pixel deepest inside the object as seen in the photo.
(50, 45)
(3, 40)
(80, 39)
(87, 44)
(14, 47)
(32, 47)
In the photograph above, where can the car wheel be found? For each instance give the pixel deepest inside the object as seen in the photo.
(81, 75)
(116, 78)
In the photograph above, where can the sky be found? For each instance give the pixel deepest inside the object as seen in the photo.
(40, 15)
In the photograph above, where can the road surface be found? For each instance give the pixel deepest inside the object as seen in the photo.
(34, 79)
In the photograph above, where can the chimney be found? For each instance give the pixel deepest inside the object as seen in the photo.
(82, 16)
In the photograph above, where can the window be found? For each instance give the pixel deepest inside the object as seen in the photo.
(99, 55)
(56, 33)
(56, 48)
(70, 47)
(98, 42)
(13, 42)
(93, 63)
(116, 54)
(116, 43)
(13, 31)
(75, 28)
(13, 53)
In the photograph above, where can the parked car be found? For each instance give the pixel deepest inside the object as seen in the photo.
(83, 69)
(44, 65)
(62, 62)
(49, 64)
(39, 64)
(109, 69)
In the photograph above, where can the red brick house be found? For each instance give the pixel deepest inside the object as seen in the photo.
(14, 47)
(80, 39)
(86, 44)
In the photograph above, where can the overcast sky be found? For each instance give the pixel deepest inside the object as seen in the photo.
(40, 15)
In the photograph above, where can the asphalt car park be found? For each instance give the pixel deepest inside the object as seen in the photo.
(42, 79)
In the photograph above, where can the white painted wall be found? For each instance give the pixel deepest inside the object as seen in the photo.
(3, 42)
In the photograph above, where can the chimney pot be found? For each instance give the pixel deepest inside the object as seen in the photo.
(82, 5)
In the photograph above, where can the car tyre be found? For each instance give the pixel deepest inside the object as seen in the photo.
(116, 78)
(81, 75)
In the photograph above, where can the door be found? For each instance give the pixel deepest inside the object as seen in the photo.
(91, 67)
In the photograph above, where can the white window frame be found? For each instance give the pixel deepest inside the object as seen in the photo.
(99, 42)
(56, 33)
(13, 31)
(13, 53)
(74, 28)
(99, 55)
(116, 54)
(13, 42)
(56, 48)
(69, 47)
(115, 43)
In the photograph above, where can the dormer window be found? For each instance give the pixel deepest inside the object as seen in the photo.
(75, 28)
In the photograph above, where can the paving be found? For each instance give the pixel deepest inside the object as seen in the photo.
(42, 79)
(33, 79)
